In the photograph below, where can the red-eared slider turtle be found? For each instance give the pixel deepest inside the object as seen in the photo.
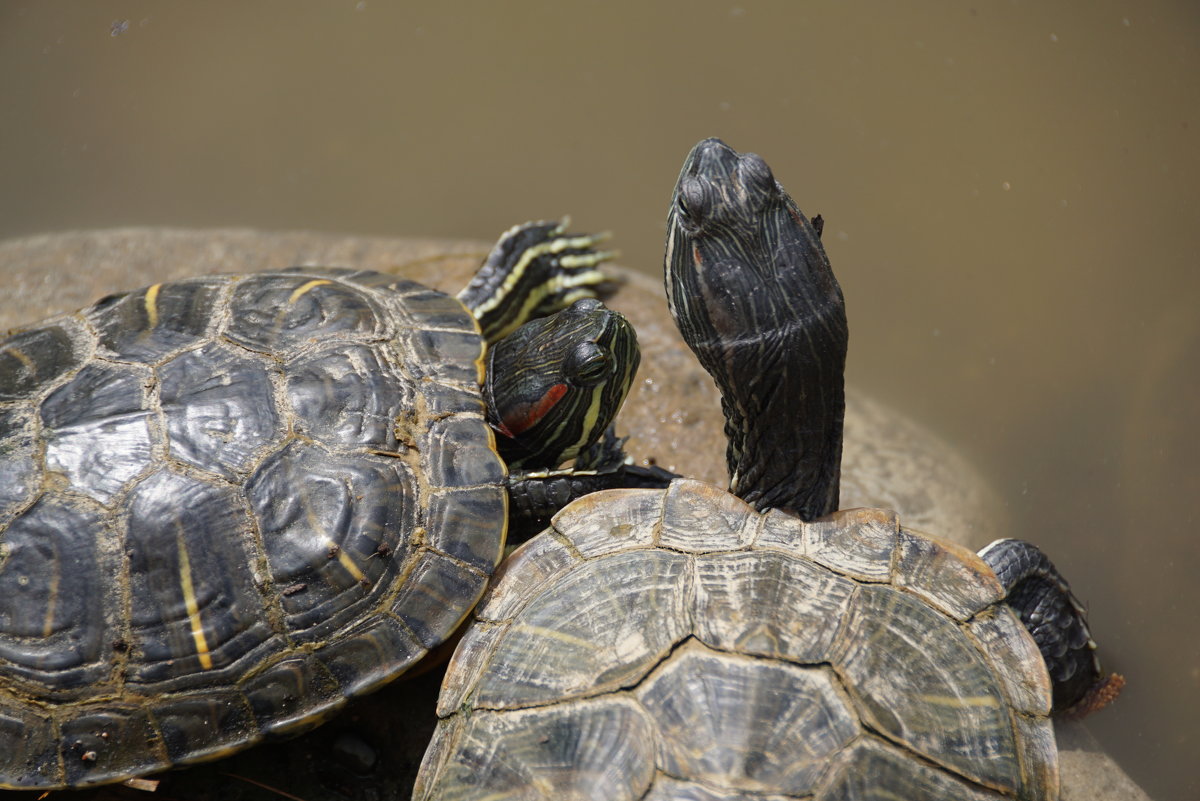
(229, 503)
(700, 644)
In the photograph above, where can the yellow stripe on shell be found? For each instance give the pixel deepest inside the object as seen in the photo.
(55, 580)
(193, 607)
(345, 561)
(958, 702)
(151, 303)
(555, 634)
(303, 289)
(23, 358)
(481, 360)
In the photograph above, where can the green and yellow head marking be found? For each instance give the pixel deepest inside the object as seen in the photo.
(555, 384)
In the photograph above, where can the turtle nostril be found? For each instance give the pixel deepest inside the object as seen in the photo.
(587, 305)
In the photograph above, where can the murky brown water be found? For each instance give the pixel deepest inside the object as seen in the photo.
(1011, 192)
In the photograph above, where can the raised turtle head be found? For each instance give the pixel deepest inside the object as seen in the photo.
(555, 384)
(752, 292)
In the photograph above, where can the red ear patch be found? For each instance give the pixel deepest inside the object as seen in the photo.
(527, 415)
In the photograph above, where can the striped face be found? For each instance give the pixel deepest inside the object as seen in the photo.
(741, 259)
(753, 294)
(556, 384)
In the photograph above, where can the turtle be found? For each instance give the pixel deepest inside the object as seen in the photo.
(230, 503)
(706, 644)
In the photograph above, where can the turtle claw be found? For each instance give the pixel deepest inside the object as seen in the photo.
(539, 262)
(1098, 696)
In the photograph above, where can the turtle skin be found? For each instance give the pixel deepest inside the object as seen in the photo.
(679, 645)
(228, 504)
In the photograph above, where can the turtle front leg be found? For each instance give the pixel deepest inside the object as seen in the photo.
(1041, 597)
(533, 499)
(534, 270)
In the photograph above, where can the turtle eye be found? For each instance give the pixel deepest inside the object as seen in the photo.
(588, 364)
(681, 204)
(690, 199)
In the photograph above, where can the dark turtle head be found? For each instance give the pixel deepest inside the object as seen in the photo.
(753, 294)
(555, 384)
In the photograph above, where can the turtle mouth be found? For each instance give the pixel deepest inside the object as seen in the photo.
(711, 158)
(591, 315)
